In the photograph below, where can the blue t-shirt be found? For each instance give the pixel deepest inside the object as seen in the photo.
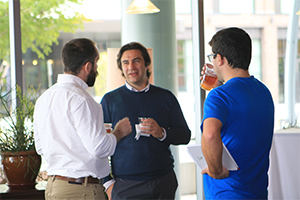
(246, 110)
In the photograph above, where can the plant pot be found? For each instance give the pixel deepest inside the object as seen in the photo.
(21, 168)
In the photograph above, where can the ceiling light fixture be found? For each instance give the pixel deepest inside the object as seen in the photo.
(142, 7)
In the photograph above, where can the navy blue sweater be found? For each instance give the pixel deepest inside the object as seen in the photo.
(146, 158)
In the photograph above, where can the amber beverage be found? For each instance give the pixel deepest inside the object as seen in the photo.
(108, 127)
(209, 79)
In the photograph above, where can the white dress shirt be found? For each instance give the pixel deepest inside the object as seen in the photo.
(69, 130)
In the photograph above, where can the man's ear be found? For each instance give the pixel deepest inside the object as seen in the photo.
(87, 67)
(221, 60)
(84, 71)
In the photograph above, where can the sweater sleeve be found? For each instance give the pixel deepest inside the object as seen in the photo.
(106, 113)
(178, 131)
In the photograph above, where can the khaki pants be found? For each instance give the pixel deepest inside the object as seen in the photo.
(63, 190)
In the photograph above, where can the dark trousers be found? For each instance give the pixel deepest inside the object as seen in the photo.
(161, 188)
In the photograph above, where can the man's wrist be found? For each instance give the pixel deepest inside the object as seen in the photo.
(164, 134)
(108, 183)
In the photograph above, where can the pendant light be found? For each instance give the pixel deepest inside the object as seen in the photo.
(142, 7)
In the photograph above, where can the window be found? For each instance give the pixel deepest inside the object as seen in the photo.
(281, 59)
(255, 65)
(286, 6)
(181, 66)
(236, 6)
(281, 54)
(105, 29)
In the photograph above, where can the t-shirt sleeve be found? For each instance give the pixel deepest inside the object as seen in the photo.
(215, 106)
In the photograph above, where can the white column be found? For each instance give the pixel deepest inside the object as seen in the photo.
(157, 31)
(290, 62)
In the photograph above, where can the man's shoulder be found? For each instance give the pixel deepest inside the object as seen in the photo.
(114, 93)
(66, 90)
(47, 92)
(160, 90)
(117, 90)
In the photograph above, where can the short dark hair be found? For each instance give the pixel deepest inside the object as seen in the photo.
(131, 46)
(235, 45)
(76, 53)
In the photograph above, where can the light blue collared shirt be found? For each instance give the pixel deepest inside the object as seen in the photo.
(146, 89)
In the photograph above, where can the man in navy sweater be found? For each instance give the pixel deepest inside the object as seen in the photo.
(143, 168)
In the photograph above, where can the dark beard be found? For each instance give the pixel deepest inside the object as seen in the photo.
(91, 78)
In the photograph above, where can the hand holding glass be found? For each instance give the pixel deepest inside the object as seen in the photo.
(141, 121)
(138, 129)
(209, 79)
(108, 127)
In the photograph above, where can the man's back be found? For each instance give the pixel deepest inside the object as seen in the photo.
(245, 108)
(62, 121)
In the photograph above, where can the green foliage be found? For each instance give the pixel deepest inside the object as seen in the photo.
(17, 135)
(4, 31)
(41, 23)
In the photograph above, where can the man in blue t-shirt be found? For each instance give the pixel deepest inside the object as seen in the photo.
(143, 168)
(239, 113)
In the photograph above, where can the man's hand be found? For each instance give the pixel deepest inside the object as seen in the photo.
(122, 128)
(108, 191)
(151, 127)
(217, 83)
(223, 174)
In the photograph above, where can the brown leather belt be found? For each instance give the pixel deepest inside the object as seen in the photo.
(90, 179)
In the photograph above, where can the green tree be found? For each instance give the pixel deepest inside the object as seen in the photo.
(41, 23)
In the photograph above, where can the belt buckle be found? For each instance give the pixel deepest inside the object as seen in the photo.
(76, 183)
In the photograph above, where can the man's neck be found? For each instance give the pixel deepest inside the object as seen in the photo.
(137, 87)
(236, 72)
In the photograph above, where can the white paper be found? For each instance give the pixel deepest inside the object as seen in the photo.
(195, 152)
(139, 132)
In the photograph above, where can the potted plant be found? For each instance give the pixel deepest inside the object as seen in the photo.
(20, 161)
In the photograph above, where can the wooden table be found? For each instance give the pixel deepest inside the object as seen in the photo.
(30, 193)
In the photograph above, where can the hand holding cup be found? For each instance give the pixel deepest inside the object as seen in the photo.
(122, 128)
(209, 79)
(149, 126)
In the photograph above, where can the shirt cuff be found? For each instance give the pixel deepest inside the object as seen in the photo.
(108, 183)
(165, 135)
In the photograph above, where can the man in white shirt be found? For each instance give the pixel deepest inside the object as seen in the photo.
(69, 129)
